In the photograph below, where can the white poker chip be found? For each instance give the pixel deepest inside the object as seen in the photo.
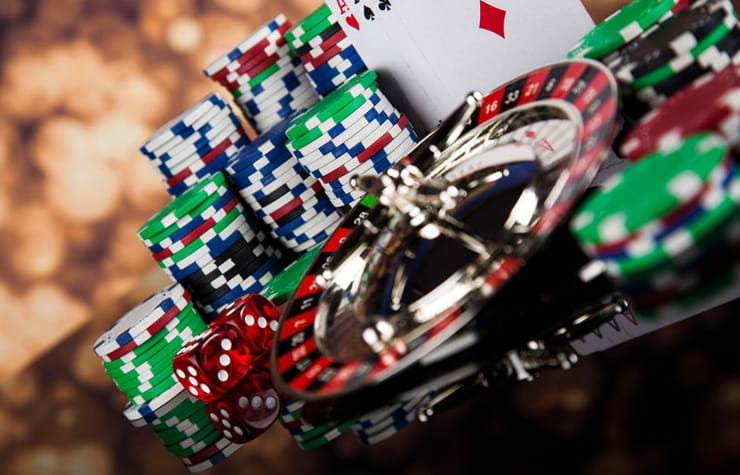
(185, 149)
(136, 324)
(165, 136)
(328, 163)
(187, 117)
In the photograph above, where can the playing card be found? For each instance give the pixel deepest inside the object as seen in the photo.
(431, 53)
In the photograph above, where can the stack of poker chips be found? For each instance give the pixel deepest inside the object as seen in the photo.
(281, 192)
(137, 354)
(668, 226)
(387, 421)
(305, 434)
(195, 144)
(206, 240)
(355, 130)
(264, 76)
(685, 45)
(326, 52)
(712, 104)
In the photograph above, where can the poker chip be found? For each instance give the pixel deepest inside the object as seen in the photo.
(272, 182)
(217, 249)
(706, 105)
(264, 76)
(326, 53)
(159, 326)
(383, 423)
(306, 435)
(353, 130)
(195, 144)
(654, 238)
(655, 73)
(622, 27)
(713, 60)
(701, 264)
(676, 36)
(138, 325)
(666, 181)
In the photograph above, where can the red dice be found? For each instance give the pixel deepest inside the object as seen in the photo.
(248, 409)
(254, 318)
(191, 373)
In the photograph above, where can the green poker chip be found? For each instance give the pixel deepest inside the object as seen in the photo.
(621, 27)
(330, 106)
(191, 249)
(194, 424)
(340, 116)
(325, 438)
(303, 28)
(188, 318)
(181, 412)
(695, 236)
(313, 32)
(184, 205)
(203, 210)
(283, 286)
(158, 386)
(648, 190)
(193, 444)
(675, 66)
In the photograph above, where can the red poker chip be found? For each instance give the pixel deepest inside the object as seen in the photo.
(701, 106)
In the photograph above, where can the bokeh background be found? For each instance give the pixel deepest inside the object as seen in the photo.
(82, 84)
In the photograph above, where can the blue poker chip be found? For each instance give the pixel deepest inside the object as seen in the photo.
(281, 96)
(216, 247)
(197, 139)
(203, 144)
(357, 149)
(327, 70)
(286, 230)
(266, 199)
(263, 176)
(380, 163)
(326, 78)
(304, 238)
(340, 128)
(369, 117)
(240, 143)
(222, 159)
(283, 112)
(290, 82)
(268, 140)
(245, 161)
(183, 231)
(184, 120)
(240, 252)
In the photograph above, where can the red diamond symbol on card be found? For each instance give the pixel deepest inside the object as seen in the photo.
(492, 19)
